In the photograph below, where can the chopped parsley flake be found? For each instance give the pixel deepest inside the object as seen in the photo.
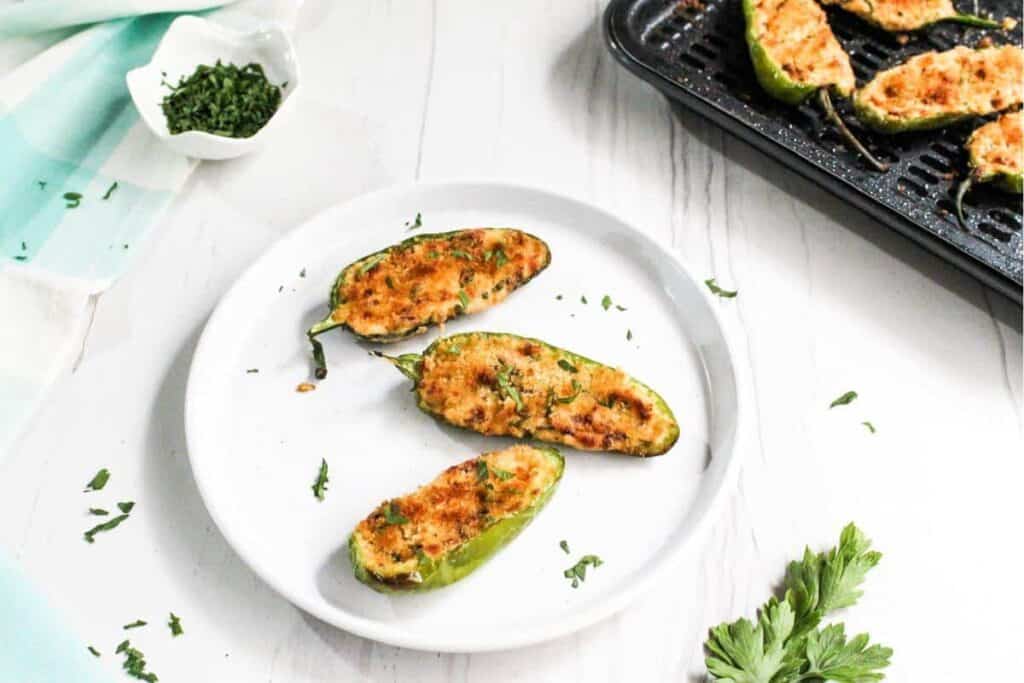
(558, 297)
(72, 199)
(252, 371)
(106, 526)
(110, 191)
(583, 299)
(576, 388)
(606, 302)
(320, 485)
(504, 475)
(620, 308)
(41, 184)
(135, 663)
(566, 365)
(508, 389)
(871, 427)
(578, 572)
(389, 282)
(100, 512)
(715, 289)
(98, 481)
(302, 273)
(458, 253)
(844, 400)
(138, 623)
(500, 258)
(94, 651)
(372, 263)
(393, 516)
(629, 335)
(564, 545)
(126, 506)
(482, 472)
(175, 625)
(417, 223)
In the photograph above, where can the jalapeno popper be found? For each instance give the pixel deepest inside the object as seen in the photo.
(506, 385)
(908, 15)
(402, 290)
(795, 55)
(446, 529)
(996, 155)
(936, 89)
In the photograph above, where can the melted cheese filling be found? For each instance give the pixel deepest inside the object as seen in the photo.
(508, 385)
(408, 287)
(996, 147)
(959, 81)
(457, 506)
(797, 37)
(898, 15)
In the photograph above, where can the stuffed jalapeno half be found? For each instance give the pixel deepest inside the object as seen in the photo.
(908, 15)
(996, 155)
(795, 55)
(506, 385)
(448, 528)
(425, 280)
(936, 89)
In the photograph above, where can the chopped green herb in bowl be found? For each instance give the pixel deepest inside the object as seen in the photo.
(222, 99)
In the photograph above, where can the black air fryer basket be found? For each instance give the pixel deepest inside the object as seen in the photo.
(695, 53)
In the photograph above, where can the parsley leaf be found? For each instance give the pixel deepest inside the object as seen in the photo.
(715, 289)
(463, 300)
(110, 191)
(126, 506)
(566, 365)
(504, 475)
(576, 388)
(98, 481)
(831, 658)
(135, 663)
(100, 512)
(94, 651)
(564, 545)
(871, 427)
(90, 535)
(500, 257)
(458, 253)
(844, 400)
(72, 199)
(481, 470)
(393, 516)
(417, 223)
(578, 572)
(606, 302)
(175, 625)
(786, 645)
(583, 299)
(320, 485)
(629, 335)
(506, 388)
(135, 624)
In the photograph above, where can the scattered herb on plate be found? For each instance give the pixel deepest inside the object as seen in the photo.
(606, 302)
(72, 199)
(786, 644)
(844, 400)
(416, 223)
(583, 299)
(620, 308)
(41, 184)
(870, 427)
(90, 535)
(507, 388)
(110, 191)
(223, 99)
(482, 471)
(99, 512)
(463, 300)
(126, 506)
(138, 623)
(558, 297)
(578, 572)
(93, 651)
(175, 625)
(302, 273)
(98, 481)
(564, 545)
(135, 663)
(320, 485)
(718, 291)
(629, 335)
(252, 371)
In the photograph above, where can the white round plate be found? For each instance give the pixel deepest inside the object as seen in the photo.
(255, 443)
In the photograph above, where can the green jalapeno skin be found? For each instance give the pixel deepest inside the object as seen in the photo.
(898, 20)
(490, 263)
(501, 384)
(984, 171)
(442, 569)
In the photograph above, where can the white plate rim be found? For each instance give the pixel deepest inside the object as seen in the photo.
(396, 636)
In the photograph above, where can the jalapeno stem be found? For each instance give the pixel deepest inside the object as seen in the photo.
(832, 115)
(973, 20)
(409, 364)
(319, 361)
(961, 192)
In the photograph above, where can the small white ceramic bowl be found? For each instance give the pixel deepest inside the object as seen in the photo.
(191, 41)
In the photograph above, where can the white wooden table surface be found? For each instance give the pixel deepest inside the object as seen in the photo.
(829, 301)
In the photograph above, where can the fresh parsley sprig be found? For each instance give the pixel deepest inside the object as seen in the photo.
(786, 645)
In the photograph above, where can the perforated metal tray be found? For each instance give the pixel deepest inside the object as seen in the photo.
(695, 53)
